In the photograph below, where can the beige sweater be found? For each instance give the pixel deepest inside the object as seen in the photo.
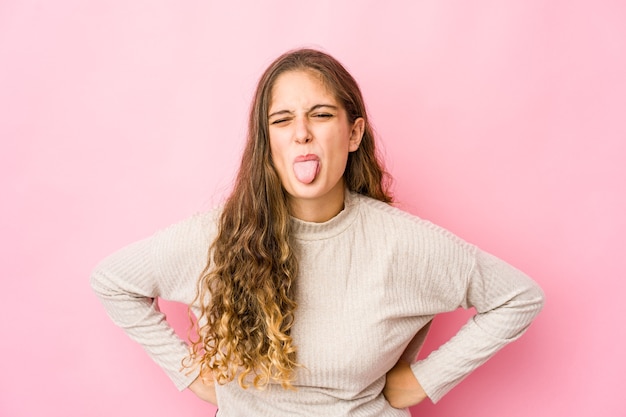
(370, 279)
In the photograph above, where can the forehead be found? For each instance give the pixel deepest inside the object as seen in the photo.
(301, 87)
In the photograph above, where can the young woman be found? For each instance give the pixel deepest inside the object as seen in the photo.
(313, 294)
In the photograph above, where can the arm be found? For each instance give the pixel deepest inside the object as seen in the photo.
(506, 302)
(129, 282)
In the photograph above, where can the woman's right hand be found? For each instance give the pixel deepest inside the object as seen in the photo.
(402, 389)
(204, 391)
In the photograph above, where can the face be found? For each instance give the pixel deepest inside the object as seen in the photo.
(310, 139)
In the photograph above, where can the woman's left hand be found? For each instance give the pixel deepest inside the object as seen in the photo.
(402, 389)
(204, 391)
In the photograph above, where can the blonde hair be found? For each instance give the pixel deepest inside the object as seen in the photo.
(246, 291)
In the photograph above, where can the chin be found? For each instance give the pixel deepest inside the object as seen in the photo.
(298, 189)
(314, 190)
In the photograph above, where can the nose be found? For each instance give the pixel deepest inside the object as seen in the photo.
(302, 133)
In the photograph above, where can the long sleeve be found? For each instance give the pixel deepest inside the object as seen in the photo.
(506, 302)
(166, 265)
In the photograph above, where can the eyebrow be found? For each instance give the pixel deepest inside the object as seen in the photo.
(316, 107)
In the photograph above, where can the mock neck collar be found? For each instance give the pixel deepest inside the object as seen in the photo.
(303, 230)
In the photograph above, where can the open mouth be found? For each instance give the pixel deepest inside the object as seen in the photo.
(306, 168)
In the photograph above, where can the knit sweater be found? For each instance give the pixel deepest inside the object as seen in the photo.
(370, 281)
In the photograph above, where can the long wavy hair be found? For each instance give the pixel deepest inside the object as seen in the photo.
(246, 291)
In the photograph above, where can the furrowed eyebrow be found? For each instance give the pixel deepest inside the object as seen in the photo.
(278, 112)
(316, 107)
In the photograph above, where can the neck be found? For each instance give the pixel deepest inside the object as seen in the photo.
(318, 210)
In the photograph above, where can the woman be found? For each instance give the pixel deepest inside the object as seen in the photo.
(314, 293)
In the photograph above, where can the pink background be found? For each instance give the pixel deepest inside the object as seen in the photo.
(502, 121)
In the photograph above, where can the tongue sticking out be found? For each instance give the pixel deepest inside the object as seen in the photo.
(306, 171)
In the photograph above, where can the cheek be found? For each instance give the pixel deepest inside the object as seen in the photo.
(340, 143)
(277, 155)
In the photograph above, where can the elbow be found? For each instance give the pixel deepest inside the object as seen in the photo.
(536, 299)
(527, 307)
(528, 304)
(513, 318)
(99, 283)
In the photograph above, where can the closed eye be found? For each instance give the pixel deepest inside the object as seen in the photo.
(280, 121)
(323, 115)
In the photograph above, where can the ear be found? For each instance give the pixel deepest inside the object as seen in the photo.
(356, 134)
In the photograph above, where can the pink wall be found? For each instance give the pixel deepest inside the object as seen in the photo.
(503, 121)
